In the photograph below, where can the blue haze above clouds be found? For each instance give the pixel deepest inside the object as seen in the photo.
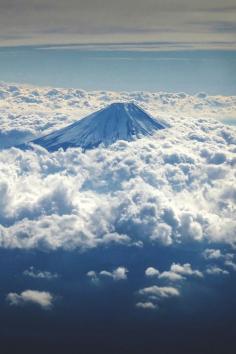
(121, 69)
(124, 249)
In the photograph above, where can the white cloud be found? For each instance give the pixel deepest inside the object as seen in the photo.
(211, 253)
(176, 187)
(231, 265)
(153, 295)
(152, 272)
(34, 273)
(146, 305)
(170, 275)
(92, 275)
(159, 291)
(185, 269)
(175, 273)
(227, 259)
(214, 270)
(120, 273)
(42, 298)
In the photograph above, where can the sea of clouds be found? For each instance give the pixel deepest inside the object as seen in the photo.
(175, 188)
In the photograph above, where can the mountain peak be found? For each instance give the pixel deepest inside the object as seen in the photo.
(117, 121)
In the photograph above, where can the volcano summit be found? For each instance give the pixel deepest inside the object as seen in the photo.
(118, 121)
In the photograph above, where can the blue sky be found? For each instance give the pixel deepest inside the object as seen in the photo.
(92, 68)
(102, 318)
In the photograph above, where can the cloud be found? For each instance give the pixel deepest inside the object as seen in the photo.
(159, 291)
(227, 259)
(86, 22)
(42, 298)
(120, 273)
(231, 264)
(152, 272)
(185, 269)
(146, 305)
(177, 272)
(174, 188)
(92, 275)
(172, 276)
(214, 270)
(38, 274)
(210, 253)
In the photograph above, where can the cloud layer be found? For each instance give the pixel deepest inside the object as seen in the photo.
(185, 23)
(174, 188)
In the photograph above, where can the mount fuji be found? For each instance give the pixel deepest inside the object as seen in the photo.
(118, 121)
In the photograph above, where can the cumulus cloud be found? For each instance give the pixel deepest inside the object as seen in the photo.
(214, 270)
(160, 291)
(146, 305)
(170, 275)
(39, 274)
(43, 299)
(176, 187)
(151, 272)
(92, 275)
(120, 273)
(227, 259)
(175, 273)
(152, 295)
(185, 269)
(230, 264)
(210, 253)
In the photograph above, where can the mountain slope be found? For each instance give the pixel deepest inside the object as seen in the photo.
(118, 121)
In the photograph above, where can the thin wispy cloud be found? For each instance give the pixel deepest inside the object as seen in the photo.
(66, 22)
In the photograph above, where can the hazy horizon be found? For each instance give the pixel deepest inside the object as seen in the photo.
(113, 68)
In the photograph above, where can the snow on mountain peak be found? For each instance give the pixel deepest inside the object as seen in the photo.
(118, 121)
